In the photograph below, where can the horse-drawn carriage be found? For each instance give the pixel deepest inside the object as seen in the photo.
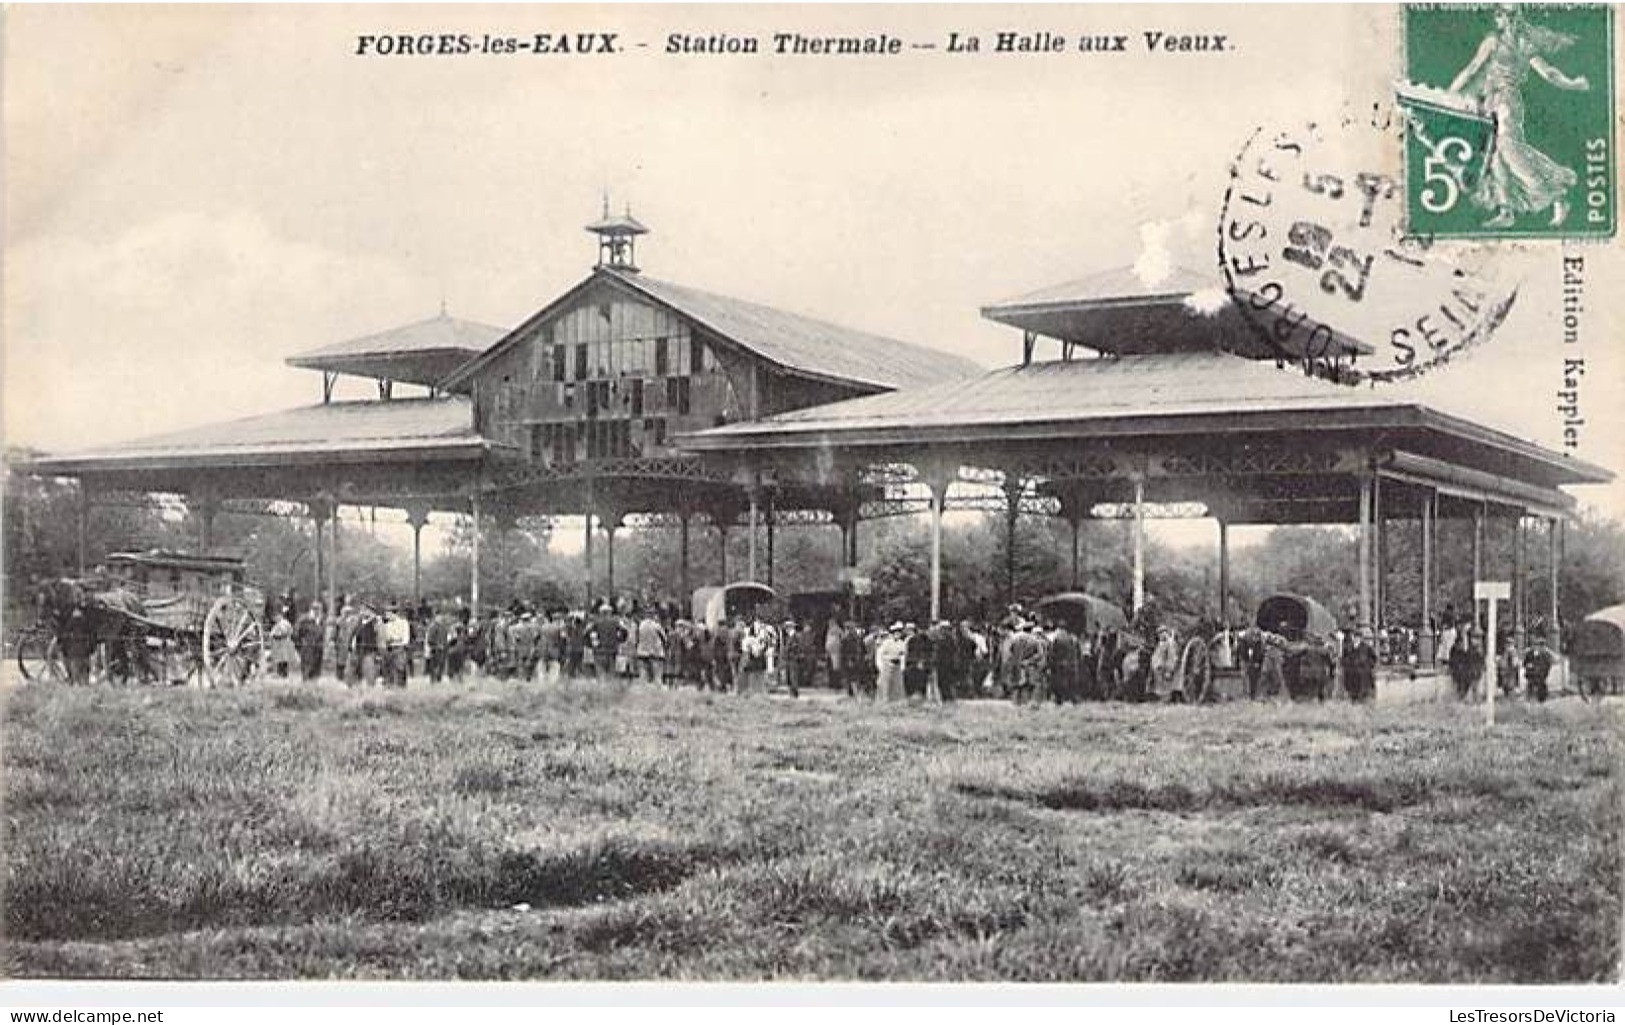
(149, 617)
(713, 605)
(1307, 635)
(1598, 652)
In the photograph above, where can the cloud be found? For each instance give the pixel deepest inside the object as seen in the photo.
(180, 320)
(1164, 245)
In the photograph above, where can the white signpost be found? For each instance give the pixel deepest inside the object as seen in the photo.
(1491, 591)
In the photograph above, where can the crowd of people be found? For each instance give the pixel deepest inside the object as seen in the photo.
(1023, 656)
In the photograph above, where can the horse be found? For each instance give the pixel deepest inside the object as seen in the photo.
(87, 620)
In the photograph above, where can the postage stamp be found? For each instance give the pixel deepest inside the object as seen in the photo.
(1511, 112)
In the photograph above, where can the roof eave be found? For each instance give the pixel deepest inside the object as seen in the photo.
(460, 450)
(313, 361)
(1578, 470)
(754, 437)
(998, 311)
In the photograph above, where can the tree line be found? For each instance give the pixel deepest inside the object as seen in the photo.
(521, 563)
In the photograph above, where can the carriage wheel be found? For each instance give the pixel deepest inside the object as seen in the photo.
(233, 643)
(39, 657)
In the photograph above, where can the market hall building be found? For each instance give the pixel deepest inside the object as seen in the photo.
(629, 396)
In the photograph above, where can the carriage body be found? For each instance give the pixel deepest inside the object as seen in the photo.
(177, 590)
(713, 605)
(1307, 633)
(1597, 652)
(1083, 614)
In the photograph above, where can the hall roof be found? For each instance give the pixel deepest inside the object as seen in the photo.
(799, 344)
(350, 432)
(1125, 312)
(1197, 394)
(1116, 286)
(420, 353)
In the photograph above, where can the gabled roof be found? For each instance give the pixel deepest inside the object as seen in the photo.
(326, 433)
(799, 344)
(1160, 385)
(420, 353)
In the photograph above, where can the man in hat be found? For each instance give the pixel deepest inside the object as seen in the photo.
(307, 638)
(526, 633)
(605, 638)
(891, 655)
(1537, 665)
(1466, 661)
(724, 654)
(838, 673)
(917, 662)
(856, 665)
(651, 646)
(1250, 655)
(1065, 658)
(1360, 666)
(1027, 663)
(365, 645)
(759, 655)
(947, 659)
(438, 635)
(397, 638)
(1165, 681)
(800, 656)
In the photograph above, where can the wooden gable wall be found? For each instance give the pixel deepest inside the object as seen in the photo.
(607, 376)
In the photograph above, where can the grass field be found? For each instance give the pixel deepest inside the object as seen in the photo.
(576, 832)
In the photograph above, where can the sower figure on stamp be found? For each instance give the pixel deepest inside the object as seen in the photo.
(1518, 178)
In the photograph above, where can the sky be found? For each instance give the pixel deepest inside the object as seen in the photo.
(194, 193)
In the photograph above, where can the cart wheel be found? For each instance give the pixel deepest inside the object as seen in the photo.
(39, 657)
(233, 643)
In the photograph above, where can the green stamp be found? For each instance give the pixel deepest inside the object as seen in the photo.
(1511, 121)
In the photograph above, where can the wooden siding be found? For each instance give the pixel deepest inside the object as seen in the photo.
(608, 377)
